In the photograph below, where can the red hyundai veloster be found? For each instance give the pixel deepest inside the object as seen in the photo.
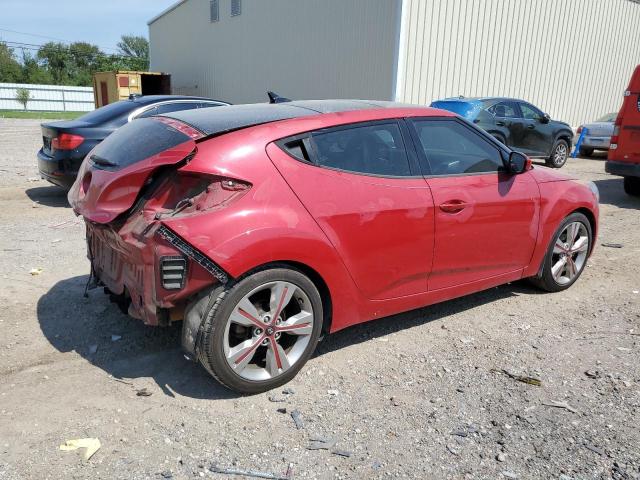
(262, 226)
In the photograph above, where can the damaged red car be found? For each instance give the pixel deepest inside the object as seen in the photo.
(263, 226)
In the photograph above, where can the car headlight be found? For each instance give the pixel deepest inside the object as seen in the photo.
(594, 189)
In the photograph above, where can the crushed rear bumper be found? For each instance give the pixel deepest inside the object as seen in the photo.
(150, 267)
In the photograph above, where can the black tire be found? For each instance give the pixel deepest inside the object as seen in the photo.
(223, 300)
(632, 186)
(546, 281)
(586, 152)
(558, 147)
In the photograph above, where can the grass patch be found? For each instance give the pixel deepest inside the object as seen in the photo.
(40, 115)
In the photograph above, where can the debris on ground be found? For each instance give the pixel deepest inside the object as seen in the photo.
(93, 349)
(613, 245)
(297, 419)
(594, 449)
(559, 404)
(250, 473)
(35, 271)
(528, 380)
(592, 373)
(143, 392)
(341, 453)
(321, 443)
(115, 338)
(91, 446)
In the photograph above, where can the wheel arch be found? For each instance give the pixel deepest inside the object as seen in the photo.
(592, 223)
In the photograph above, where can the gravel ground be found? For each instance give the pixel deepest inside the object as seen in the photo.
(418, 395)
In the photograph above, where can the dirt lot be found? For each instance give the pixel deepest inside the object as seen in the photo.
(411, 396)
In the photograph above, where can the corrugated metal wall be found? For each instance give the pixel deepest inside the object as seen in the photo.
(52, 98)
(572, 58)
(300, 49)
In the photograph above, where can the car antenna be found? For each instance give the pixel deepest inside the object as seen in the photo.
(275, 98)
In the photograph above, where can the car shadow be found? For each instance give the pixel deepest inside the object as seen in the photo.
(51, 196)
(71, 322)
(612, 193)
(374, 329)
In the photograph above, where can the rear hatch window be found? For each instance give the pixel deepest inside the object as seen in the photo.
(136, 141)
(109, 112)
(464, 109)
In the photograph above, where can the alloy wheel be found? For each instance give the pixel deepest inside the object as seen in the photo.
(268, 331)
(560, 154)
(569, 253)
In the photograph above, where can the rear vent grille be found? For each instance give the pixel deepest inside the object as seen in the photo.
(173, 271)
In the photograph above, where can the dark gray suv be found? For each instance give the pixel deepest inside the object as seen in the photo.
(516, 123)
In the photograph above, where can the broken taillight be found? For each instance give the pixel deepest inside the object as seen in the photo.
(187, 193)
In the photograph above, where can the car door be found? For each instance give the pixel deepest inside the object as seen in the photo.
(537, 136)
(362, 184)
(509, 123)
(486, 220)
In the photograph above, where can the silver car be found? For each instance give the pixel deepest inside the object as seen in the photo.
(598, 134)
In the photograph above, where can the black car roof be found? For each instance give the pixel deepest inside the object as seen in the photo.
(211, 121)
(147, 99)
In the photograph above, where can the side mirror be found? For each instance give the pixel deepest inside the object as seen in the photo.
(518, 163)
(545, 118)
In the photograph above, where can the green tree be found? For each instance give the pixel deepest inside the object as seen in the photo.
(137, 49)
(33, 72)
(55, 59)
(10, 70)
(23, 96)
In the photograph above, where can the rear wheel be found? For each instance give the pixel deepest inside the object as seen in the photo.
(559, 154)
(261, 331)
(586, 152)
(632, 186)
(567, 254)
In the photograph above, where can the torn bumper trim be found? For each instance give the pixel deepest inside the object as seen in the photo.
(193, 253)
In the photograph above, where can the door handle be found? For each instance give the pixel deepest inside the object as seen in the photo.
(500, 124)
(453, 206)
(531, 127)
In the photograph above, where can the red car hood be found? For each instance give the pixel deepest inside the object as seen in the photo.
(546, 175)
(101, 195)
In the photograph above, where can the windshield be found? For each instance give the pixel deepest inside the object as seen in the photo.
(109, 112)
(134, 142)
(609, 117)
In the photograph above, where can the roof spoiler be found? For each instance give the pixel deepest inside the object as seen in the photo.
(275, 98)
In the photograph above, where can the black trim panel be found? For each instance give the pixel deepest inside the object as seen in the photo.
(193, 253)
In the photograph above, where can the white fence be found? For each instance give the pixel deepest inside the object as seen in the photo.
(50, 98)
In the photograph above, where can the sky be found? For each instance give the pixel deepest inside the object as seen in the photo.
(100, 22)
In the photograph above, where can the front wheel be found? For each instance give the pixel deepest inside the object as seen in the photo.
(559, 154)
(567, 254)
(261, 331)
(632, 186)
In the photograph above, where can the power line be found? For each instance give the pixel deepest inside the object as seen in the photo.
(65, 51)
(48, 37)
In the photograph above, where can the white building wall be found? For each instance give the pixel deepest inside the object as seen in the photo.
(301, 49)
(572, 58)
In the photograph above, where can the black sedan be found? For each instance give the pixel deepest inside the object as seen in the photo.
(66, 143)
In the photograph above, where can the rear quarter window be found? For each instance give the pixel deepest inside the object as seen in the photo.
(136, 141)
